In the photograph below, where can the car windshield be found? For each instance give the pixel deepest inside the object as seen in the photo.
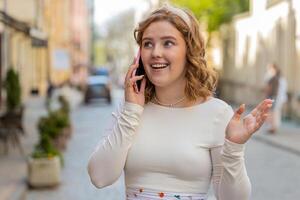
(97, 80)
(101, 72)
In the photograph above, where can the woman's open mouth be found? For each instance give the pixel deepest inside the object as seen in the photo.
(159, 66)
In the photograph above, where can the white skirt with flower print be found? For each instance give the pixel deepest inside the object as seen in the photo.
(146, 194)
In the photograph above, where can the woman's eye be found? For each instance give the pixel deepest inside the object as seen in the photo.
(147, 44)
(168, 43)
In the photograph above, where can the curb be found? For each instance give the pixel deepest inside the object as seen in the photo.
(19, 193)
(274, 143)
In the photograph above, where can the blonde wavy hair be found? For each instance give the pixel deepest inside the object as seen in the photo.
(201, 79)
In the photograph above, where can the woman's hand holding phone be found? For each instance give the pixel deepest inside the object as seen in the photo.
(132, 93)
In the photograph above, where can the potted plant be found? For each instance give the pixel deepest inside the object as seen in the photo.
(65, 114)
(13, 90)
(53, 125)
(57, 125)
(44, 165)
(61, 120)
(14, 109)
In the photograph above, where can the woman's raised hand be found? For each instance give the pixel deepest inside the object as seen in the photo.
(132, 94)
(239, 129)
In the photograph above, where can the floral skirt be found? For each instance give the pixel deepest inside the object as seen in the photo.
(146, 194)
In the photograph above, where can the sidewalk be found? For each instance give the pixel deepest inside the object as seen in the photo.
(287, 138)
(13, 168)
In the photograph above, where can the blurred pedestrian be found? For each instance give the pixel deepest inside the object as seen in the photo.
(171, 136)
(276, 89)
(50, 89)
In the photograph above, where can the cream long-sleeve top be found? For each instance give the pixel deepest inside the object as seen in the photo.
(172, 149)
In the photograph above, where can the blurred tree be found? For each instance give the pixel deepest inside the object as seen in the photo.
(214, 12)
(100, 54)
(115, 45)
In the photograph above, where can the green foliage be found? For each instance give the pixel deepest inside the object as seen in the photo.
(13, 90)
(49, 128)
(45, 149)
(65, 106)
(53, 124)
(61, 118)
(100, 53)
(46, 126)
(214, 12)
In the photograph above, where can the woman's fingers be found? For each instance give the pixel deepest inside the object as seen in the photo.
(261, 119)
(259, 122)
(263, 107)
(133, 72)
(132, 93)
(238, 113)
(132, 81)
(261, 112)
(257, 109)
(143, 86)
(258, 112)
(130, 71)
(136, 78)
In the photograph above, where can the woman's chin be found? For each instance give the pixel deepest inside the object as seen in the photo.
(159, 82)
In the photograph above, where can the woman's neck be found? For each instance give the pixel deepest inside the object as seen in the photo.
(174, 97)
(171, 96)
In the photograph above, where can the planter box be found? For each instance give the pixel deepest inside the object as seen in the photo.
(44, 172)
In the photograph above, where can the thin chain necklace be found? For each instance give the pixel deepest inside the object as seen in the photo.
(169, 105)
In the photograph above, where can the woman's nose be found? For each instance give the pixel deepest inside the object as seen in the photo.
(157, 51)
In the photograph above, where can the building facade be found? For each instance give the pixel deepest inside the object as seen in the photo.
(80, 40)
(23, 43)
(269, 33)
(44, 40)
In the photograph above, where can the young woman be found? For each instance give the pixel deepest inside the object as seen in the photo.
(172, 137)
(276, 89)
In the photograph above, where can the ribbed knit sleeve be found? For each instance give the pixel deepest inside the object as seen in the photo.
(108, 159)
(230, 179)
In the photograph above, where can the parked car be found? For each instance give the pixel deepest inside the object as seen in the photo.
(98, 87)
(100, 72)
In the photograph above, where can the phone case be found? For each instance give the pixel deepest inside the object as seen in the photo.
(140, 70)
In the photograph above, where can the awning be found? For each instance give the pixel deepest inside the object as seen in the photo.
(16, 24)
(38, 38)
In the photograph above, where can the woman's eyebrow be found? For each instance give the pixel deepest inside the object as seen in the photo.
(147, 38)
(168, 37)
(163, 38)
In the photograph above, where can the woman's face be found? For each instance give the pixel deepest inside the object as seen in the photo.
(164, 54)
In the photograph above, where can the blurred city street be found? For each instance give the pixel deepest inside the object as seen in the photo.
(89, 122)
(273, 165)
(62, 70)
